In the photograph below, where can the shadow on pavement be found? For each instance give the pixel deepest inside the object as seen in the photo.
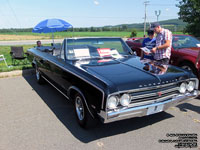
(187, 106)
(63, 109)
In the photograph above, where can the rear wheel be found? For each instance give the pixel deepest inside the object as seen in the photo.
(39, 78)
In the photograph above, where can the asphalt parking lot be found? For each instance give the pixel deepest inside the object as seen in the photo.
(38, 117)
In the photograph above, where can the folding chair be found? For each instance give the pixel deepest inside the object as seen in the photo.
(2, 58)
(17, 53)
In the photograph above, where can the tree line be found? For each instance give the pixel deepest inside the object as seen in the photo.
(123, 28)
(90, 29)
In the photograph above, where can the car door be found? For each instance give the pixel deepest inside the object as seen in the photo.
(59, 71)
(175, 55)
(43, 64)
(175, 51)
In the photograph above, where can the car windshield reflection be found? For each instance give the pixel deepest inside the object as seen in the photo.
(155, 67)
(184, 42)
(96, 48)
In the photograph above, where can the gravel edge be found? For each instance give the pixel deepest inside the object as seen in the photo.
(17, 73)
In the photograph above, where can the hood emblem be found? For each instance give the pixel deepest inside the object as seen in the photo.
(159, 94)
(159, 83)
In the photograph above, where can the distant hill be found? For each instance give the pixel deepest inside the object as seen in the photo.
(172, 24)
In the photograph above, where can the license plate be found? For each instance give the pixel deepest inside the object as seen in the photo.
(154, 109)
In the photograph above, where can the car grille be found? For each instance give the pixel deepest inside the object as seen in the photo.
(156, 94)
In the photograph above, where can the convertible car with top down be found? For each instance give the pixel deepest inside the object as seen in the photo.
(107, 82)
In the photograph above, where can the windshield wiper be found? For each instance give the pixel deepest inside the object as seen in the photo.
(100, 57)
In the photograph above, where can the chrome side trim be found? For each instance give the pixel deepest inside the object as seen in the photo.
(79, 91)
(73, 87)
(55, 87)
(80, 78)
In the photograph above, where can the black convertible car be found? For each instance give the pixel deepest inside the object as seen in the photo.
(106, 81)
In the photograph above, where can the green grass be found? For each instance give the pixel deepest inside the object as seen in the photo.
(123, 34)
(5, 50)
(74, 34)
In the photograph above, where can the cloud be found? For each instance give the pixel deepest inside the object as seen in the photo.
(96, 2)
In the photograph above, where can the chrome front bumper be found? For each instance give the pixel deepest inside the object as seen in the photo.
(143, 110)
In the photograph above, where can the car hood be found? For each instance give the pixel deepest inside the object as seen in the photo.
(130, 73)
(190, 51)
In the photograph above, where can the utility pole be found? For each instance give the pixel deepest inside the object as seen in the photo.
(157, 13)
(145, 15)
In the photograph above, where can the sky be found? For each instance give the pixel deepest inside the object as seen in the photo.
(83, 13)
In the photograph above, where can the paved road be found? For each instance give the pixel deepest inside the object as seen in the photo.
(32, 42)
(27, 42)
(34, 117)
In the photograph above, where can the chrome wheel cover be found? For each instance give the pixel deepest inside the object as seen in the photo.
(79, 108)
(186, 67)
(37, 75)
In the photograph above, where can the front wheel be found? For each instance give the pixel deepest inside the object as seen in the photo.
(83, 116)
(189, 67)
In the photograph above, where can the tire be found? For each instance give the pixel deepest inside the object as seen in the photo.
(39, 78)
(83, 116)
(189, 67)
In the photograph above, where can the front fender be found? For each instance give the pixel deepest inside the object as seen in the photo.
(71, 92)
(186, 58)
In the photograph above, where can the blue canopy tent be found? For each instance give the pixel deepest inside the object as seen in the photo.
(51, 26)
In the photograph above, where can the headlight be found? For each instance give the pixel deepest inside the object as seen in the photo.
(190, 86)
(182, 88)
(112, 102)
(125, 100)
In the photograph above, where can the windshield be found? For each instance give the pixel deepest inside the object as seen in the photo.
(181, 41)
(85, 48)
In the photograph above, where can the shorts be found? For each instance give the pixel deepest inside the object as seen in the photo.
(148, 57)
(164, 61)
